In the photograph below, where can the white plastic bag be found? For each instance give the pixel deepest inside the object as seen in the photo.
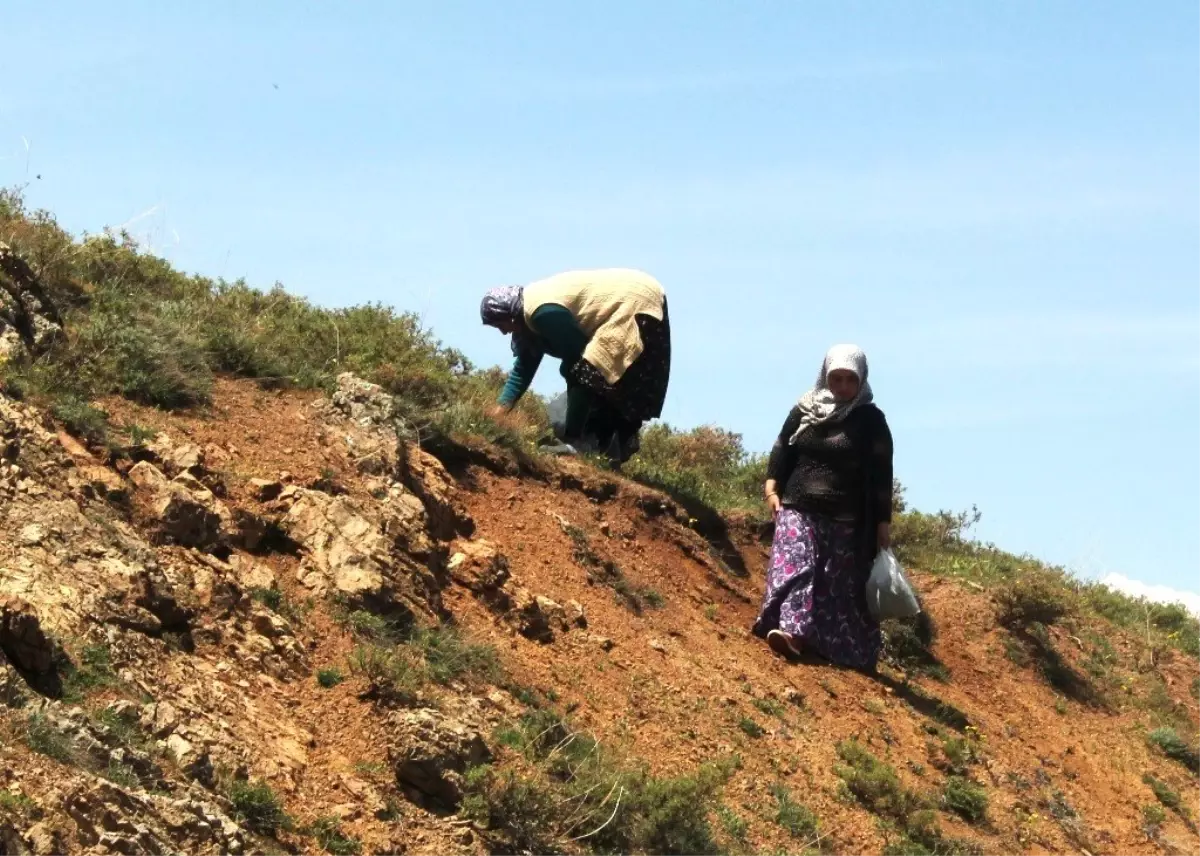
(556, 409)
(889, 593)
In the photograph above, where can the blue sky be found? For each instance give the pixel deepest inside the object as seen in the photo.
(998, 201)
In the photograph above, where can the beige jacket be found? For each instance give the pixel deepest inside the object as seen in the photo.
(604, 303)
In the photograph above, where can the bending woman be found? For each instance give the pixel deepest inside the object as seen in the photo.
(829, 484)
(611, 330)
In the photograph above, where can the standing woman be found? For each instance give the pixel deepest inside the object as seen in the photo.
(611, 330)
(829, 484)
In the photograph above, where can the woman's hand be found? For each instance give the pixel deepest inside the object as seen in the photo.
(772, 497)
(885, 536)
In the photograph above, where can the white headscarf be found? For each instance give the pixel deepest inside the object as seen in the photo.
(818, 405)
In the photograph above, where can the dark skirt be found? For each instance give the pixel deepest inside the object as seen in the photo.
(639, 394)
(816, 590)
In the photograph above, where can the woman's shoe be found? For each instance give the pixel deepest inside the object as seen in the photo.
(784, 644)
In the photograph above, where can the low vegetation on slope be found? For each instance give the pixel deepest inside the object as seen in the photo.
(137, 328)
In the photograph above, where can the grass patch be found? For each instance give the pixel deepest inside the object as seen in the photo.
(1153, 817)
(448, 656)
(732, 825)
(570, 787)
(877, 787)
(770, 707)
(271, 598)
(93, 672)
(1168, 741)
(750, 727)
(874, 783)
(794, 817)
(15, 802)
(390, 675)
(959, 752)
(256, 805)
(329, 678)
(328, 833)
(965, 798)
(1165, 794)
(908, 646)
(608, 573)
(42, 737)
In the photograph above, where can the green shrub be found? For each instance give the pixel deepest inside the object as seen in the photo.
(329, 678)
(328, 832)
(1167, 795)
(874, 783)
(42, 737)
(448, 656)
(581, 791)
(750, 727)
(1168, 741)
(705, 465)
(93, 672)
(256, 805)
(1034, 597)
(793, 816)
(965, 798)
(82, 420)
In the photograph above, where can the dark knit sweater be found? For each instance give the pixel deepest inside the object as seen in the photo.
(841, 470)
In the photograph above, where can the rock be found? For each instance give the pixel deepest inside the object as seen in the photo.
(363, 552)
(528, 617)
(479, 566)
(265, 490)
(22, 639)
(556, 616)
(186, 511)
(251, 574)
(426, 477)
(658, 646)
(430, 751)
(145, 476)
(793, 696)
(11, 841)
(42, 840)
(363, 402)
(245, 529)
(102, 483)
(603, 642)
(575, 614)
(112, 820)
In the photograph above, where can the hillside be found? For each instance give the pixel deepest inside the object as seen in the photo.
(272, 582)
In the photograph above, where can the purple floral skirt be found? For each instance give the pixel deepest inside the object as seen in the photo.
(815, 590)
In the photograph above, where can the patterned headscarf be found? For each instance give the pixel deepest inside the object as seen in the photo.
(818, 405)
(505, 303)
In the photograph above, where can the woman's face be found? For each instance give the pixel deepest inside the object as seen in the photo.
(843, 384)
(505, 326)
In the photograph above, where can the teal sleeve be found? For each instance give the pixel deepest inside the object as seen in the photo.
(561, 332)
(521, 376)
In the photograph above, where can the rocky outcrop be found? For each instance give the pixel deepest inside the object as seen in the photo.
(367, 421)
(378, 556)
(110, 819)
(430, 752)
(484, 570)
(184, 511)
(22, 639)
